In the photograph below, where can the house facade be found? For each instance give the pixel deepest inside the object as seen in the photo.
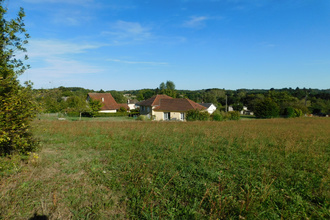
(210, 107)
(163, 107)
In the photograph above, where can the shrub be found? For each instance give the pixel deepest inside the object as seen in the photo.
(142, 118)
(217, 116)
(235, 115)
(197, 115)
(298, 112)
(266, 108)
(289, 112)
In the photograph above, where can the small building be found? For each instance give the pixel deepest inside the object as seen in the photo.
(210, 107)
(109, 104)
(132, 103)
(163, 107)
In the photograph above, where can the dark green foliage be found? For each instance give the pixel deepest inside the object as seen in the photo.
(266, 108)
(119, 97)
(197, 115)
(238, 107)
(17, 108)
(235, 115)
(289, 112)
(122, 109)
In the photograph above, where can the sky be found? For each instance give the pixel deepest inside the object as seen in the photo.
(197, 44)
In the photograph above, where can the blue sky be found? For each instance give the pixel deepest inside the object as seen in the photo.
(198, 44)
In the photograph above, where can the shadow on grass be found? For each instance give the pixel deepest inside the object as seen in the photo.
(38, 217)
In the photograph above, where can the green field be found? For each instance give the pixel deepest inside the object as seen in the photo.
(249, 169)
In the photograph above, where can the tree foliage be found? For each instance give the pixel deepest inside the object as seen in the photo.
(168, 88)
(95, 106)
(266, 108)
(197, 115)
(17, 108)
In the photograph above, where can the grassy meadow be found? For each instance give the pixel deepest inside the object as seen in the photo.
(252, 169)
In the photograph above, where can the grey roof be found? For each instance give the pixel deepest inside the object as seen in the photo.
(207, 105)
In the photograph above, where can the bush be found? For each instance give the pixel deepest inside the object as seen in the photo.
(143, 118)
(289, 112)
(298, 112)
(266, 108)
(197, 115)
(217, 116)
(235, 115)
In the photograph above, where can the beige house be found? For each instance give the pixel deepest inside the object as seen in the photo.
(163, 107)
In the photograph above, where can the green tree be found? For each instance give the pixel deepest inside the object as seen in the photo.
(77, 104)
(266, 108)
(119, 97)
(17, 108)
(168, 88)
(95, 106)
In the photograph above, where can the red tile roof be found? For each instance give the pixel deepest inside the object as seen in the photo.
(153, 101)
(178, 105)
(108, 102)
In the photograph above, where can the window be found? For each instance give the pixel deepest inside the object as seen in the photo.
(167, 116)
(102, 99)
(182, 116)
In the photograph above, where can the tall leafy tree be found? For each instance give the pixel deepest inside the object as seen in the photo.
(17, 107)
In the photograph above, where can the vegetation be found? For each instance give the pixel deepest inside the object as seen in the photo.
(197, 115)
(258, 169)
(17, 107)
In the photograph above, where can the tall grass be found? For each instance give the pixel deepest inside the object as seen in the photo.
(258, 169)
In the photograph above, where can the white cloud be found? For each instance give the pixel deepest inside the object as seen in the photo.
(137, 62)
(195, 21)
(50, 48)
(59, 68)
(132, 30)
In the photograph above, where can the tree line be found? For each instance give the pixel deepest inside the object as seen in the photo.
(281, 102)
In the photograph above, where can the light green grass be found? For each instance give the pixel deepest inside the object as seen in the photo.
(257, 169)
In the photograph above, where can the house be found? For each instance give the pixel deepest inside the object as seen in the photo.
(109, 104)
(132, 103)
(163, 107)
(245, 110)
(146, 106)
(210, 107)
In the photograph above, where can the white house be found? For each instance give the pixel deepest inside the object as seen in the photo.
(210, 107)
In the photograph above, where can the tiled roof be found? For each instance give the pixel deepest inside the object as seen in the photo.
(108, 102)
(178, 105)
(154, 100)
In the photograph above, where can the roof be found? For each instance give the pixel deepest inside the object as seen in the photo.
(153, 101)
(108, 102)
(179, 105)
(123, 105)
(207, 105)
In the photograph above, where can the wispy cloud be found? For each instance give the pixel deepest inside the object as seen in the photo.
(267, 44)
(137, 62)
(195, 22)
(71, 17)
(57, 68)
(128, 30)
(51, 48)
